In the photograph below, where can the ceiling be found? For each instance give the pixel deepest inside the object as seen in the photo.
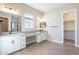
(44, 7)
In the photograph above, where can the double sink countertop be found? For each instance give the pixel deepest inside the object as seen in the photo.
(26, 33)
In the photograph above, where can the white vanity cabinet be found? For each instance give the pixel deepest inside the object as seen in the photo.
(12, 43)
(44, 35)
(22, 41)
(15, 43)
(9, 44)
(41, 36)
(6, 45)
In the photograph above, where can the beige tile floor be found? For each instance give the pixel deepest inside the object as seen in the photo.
(49, 48)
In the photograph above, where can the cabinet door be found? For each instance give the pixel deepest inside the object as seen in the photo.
(38, 37)
(15, 43)
(41, 36)
(6, 45)
(22, 42)
(44, 36)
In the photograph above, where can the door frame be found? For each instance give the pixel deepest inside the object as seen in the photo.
(6, 15)
(75, 24)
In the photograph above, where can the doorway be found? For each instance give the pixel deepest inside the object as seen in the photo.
(3, 24)
(69, 27)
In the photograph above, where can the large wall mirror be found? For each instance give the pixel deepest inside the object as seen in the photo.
(9, 22)
(28, 23)
(16, 23)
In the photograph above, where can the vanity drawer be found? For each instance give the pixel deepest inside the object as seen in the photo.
(23, 42)
(23, 38)
(23, 46)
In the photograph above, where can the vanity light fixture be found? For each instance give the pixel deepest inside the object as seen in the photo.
(10, 8)
(40, 19)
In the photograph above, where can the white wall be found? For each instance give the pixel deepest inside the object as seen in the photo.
(21, 8)
(54, 24)
(55, 18)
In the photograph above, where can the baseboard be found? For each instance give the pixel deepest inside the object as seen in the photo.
(77, 46)
(56, 41)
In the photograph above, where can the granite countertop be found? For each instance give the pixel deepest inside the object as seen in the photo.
(8, 34)
(27, 33)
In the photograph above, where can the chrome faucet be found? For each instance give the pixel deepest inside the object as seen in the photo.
(10, 32)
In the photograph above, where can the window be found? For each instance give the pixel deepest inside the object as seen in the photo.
(29, 22)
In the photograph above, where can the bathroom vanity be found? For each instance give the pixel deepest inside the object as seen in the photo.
(13, 42)
(19, 32)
